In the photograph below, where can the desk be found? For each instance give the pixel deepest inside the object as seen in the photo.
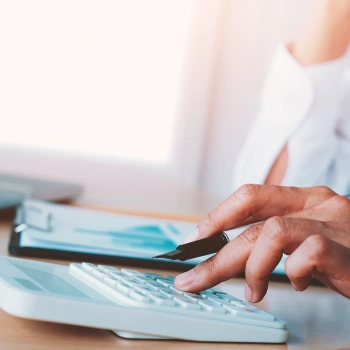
(317, 319)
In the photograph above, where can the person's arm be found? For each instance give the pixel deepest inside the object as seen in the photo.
(325, 36)
(311, 225)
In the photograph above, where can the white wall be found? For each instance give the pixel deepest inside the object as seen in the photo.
(109, 94)
(251, 29)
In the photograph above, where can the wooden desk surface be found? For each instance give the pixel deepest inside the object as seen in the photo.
(317, 319)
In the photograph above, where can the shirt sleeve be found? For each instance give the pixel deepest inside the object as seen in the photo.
(300, 107)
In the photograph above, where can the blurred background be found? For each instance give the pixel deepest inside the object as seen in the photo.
(144, 103)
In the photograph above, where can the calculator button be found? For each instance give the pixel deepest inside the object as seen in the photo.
(212, 307)
(161, 292)
(143, 289)
(218, 300)
(170, 278)
(139, 296)
(124, 288)
(153, 285)
(164, 289)
(131, 273)
(176, 290)
(241, 312)
(192, 294)
(97, 272)
(142, 279)
(108, 269)
(164, 282)
(205, 294)
(111, 281)
(161, 299)
(243, 305)
(129, 281)
(154, 276)
(118, 275)
(169, 292)
(226, 297)
(194, 297)
(88, 266)
(186, 303)
(218, 293)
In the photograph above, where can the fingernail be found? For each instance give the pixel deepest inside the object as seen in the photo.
(186, 278)
(294, 286)
(192, 236)
(248, 294)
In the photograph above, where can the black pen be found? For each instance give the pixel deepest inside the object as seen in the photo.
(203, 246)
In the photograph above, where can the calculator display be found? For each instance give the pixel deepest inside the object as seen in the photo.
(50, 282)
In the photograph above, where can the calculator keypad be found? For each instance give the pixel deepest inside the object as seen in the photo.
(151, 290)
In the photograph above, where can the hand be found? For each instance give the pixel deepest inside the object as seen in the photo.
(311, 225)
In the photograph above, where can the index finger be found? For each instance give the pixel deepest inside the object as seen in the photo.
(253, 203)
(228, 262)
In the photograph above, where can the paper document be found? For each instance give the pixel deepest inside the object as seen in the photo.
(62, 227)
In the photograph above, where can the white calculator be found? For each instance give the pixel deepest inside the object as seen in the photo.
(130, 303)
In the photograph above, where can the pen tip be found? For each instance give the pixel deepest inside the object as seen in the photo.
(173, 255)
(158, 256)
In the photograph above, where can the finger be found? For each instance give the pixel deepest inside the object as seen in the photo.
(252, 203)
(279, 235)
(322, 258)
(228, 262)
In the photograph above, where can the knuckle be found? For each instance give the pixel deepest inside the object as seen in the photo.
(319, 246)
(248, 191)
(250, 236)
(324, 191)
(275, 227)
(340, 203)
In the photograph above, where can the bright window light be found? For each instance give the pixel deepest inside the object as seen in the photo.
(92, 77)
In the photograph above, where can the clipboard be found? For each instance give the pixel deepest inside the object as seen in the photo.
(56, 231)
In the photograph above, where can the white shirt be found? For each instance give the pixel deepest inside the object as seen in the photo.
(307, 108)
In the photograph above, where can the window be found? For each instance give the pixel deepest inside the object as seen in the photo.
(110, 94)
(93, 77)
